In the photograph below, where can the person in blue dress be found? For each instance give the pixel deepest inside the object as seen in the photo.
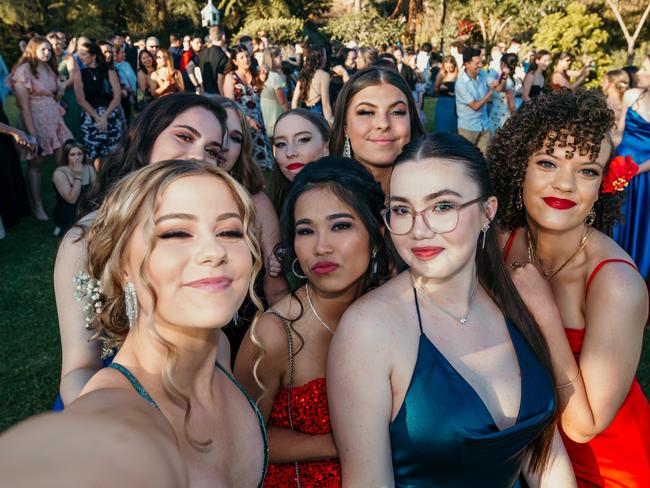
(441, 377)
(633, 234)
(444, 88)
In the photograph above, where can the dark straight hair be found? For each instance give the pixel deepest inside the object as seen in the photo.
(372, 76)
(492, 272)
(134, 153)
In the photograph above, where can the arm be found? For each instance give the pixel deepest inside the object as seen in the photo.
(157, 85)
(70, 193)
(228, 87)
(81, 98)
(528, 83)
(557, 472)
(464, 96)
(592, 390)
(360, 400)
(437, 83)
(71, 64)
(510, 97)
(143, 81)
(116, 88)
(325, 98)
(268, 227)
(295, 100)
(22, 99)
(179, 80)
(80, 358)
(281, 97)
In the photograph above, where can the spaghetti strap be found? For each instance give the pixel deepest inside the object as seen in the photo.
(137, 386)
(417, 308)
(600, 265)
(511, 239)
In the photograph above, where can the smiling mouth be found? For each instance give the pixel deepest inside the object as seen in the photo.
(295, 166)
(559, 203)
(426, 253)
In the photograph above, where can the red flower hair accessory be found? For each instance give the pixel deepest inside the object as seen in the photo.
(621, 170)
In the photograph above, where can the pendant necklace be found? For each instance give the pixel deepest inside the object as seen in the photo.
(313, 309)
(550, 274)
(462, 320)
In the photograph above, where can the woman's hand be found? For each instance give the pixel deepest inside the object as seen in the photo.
(273, 266)
(77, 168)
(101, 121)
(536, 293)
(20, 137)
(253, 124)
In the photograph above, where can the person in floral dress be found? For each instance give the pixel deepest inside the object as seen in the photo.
(243, 84)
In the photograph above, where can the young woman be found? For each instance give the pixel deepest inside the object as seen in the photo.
(179, 126)
(534, 81)
(235, 158)
(34, 80)
(441, 377)
(559, 193)
(313, 88)
(165, 79)
(634, 126)
(366, 56)
(147, 66)
(99, 94)
(243, 84)
(563, 74)
(615, 84)
(375, 117)
(332, 236)
(273, 98)
(71, 180)
(301, 136)
(503, 101)
(444, 87)
(173, 250)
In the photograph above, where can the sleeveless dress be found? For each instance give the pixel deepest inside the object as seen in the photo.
(446, 120)
(633, 234)
(47, 114)
(249, 101)
(14, 202)
(500, 111)
(72, 117)
(444, 435)
(65, 213)
(618, 457)
(303, 409)
(137, 386)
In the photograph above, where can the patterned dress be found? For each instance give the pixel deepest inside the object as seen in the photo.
(248, 99)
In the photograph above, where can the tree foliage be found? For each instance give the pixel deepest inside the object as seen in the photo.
(280, 31)
(367, 29)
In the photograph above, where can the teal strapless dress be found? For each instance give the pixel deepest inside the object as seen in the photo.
(444, 435)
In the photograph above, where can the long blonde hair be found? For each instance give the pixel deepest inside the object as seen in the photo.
(109, 237)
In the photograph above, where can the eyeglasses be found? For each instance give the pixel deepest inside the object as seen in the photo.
(441, 217)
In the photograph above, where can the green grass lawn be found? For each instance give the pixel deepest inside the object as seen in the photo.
(29, 339)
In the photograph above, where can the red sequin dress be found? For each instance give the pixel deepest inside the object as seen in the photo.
(310, 415)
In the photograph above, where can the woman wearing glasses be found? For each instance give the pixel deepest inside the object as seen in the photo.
(441, 377)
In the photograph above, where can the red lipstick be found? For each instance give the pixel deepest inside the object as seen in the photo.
(559, 203)
(211, 284)
(324, 267)
(294, 166)
(427, 252)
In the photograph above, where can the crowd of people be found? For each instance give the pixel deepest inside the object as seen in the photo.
(270, 274)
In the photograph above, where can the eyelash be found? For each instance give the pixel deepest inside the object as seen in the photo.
(548, 165)
(336, 227)
(180, 234)
(398, 113)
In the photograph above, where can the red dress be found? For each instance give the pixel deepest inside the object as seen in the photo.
(618, 457)
(310, 415)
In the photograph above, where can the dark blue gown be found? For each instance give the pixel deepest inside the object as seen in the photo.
(444, 435)
(633, 234)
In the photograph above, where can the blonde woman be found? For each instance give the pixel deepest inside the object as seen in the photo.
(165, 79)
(273, 98)
(173, 252)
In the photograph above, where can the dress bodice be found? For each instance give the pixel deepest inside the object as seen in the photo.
(444, 434)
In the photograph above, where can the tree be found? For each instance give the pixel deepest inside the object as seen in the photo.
(629, 38)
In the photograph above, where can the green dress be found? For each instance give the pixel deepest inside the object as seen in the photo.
(72, 117)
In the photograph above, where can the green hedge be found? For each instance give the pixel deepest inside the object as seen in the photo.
(280, 30)
(367, 29)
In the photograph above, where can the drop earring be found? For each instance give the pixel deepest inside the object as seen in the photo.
(347, 149)
(591, 217)
(484, 229)
(131, 304)
(373, 262)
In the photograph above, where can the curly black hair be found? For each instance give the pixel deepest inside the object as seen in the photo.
(545, 122)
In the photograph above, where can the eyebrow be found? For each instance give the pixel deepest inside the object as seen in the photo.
(431, 196)
(296, 134)
(342, 215)
(194, 218)
(196, 133)
(373, 105)
(584, 163)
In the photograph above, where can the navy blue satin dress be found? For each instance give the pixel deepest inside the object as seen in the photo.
(633, 234)
(444, 435)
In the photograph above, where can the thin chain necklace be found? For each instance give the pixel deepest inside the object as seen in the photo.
(313, 309)
(550, 274)
(462, 320)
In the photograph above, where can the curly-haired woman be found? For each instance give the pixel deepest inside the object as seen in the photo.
(553, 176)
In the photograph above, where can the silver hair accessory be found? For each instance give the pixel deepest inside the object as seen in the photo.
(484, 229)
(131, 303)
(88, 290)
(373, 262)
(347, 149)
(293, 270)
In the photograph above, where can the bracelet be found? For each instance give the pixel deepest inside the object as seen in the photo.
(559, 387)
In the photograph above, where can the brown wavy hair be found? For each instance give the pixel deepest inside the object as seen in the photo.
(546, 122)
(109, 237)
(29, 56)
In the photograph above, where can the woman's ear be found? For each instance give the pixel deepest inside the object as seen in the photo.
(491, 206)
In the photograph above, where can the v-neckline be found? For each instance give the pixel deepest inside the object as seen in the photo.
(473, 390)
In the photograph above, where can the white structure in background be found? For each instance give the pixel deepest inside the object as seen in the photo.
(210, 15)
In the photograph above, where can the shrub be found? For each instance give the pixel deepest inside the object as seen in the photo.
(280, 30)
(367, 29)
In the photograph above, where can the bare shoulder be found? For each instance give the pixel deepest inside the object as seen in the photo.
(631, 95)
(263, 204)
(107, 378)
(271, 333)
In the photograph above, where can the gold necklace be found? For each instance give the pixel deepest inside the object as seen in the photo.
(550, 274)
(462, 320)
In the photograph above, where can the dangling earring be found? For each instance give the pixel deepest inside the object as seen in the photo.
(235, 318)
(484, 229)
(591, 217)
(520, 199)
(373, 262)
(131, 303)
(347, 149)
(293, 270)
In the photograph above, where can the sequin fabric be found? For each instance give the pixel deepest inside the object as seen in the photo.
(310, 415)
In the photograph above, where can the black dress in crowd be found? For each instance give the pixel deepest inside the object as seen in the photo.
(14, 202)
